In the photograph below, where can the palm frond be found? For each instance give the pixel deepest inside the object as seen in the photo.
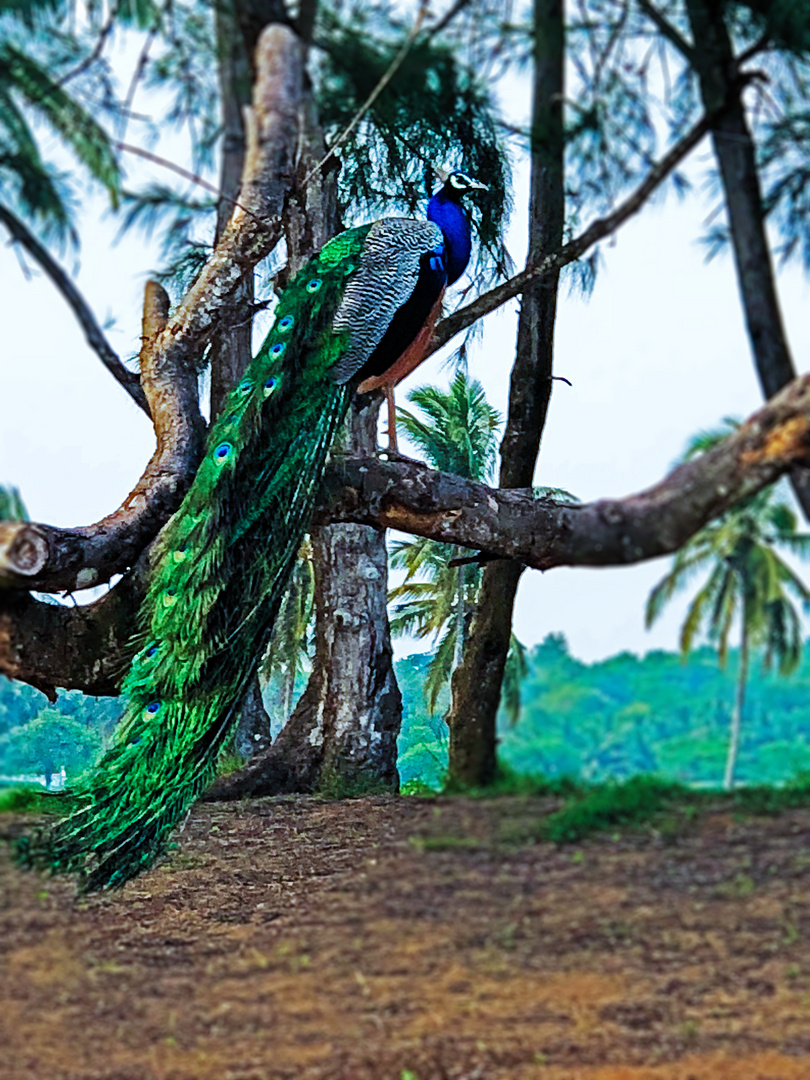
(515, 672)
(76, 128)
(440, 667)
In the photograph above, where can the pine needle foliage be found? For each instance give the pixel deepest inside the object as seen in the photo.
(435, 111)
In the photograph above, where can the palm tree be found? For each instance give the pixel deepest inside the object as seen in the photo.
(456, 433)
(31, 190)
(12, 507)
(749, 585)
(287, 653)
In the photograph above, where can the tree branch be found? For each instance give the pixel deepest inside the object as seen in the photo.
(87, 320)
(50, 645)
(570, 252)
(512, 524)
(255, 224)
(667, 29)
(84, 648)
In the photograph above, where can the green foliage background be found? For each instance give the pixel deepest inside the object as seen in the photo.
(613, 719)
(36, 736)
(627, 715)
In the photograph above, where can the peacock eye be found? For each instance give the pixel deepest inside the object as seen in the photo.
(269, 386)
(285, 324)
(313, 285)
(277, 350)
(180, 554)
(169, 597)
(222, 453)
(152, 708)
(151, 651)
(245, 386)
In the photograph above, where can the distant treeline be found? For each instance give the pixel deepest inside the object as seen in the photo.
(611, 719)
(39, 738)
(628, 715)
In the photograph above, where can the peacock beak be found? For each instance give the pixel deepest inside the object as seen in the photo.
(478, 185)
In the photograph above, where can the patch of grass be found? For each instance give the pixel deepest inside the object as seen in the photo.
(229, 762)
(334, 785)
(445, 843)
(740, 887)
(509, 782)
(769, 801)
(607, 805)
(31, 800)
(18, 800)
(417, 789)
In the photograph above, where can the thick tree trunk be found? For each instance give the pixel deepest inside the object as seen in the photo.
(476, 684)
(344, 729)
(231, 349)
(733, 145)
(737, 713)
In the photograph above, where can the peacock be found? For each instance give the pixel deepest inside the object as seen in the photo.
(358, 316)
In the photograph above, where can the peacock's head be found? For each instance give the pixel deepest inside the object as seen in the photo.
(457, 184)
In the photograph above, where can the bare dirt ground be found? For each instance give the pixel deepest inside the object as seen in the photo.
(418, 939)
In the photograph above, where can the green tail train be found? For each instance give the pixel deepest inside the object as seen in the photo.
(360, 312)
(220, 571)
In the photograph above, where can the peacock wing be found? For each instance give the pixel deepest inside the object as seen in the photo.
(386, 277)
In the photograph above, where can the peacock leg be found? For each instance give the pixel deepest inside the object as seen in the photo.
(393, 446)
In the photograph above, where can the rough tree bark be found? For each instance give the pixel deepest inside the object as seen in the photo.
(721, 88)
(346, 723)
(476, 683)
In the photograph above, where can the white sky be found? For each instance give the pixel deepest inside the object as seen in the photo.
(658, 352)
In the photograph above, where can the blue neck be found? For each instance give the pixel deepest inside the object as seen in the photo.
(449, 215)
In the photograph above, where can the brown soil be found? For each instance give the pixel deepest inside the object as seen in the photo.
(407, 939)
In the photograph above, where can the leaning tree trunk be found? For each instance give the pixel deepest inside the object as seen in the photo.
(721, 92)
(231, 350)
(737, 713)
(476, 684)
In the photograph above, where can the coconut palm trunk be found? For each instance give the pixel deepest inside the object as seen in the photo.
(737, 712)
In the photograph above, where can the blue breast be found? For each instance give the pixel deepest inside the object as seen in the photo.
(449, 215)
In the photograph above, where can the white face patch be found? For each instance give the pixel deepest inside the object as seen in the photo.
(460, 181)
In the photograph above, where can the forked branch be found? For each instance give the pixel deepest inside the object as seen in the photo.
(48, 559)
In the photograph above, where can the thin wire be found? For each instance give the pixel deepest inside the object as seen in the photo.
(164, 163)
